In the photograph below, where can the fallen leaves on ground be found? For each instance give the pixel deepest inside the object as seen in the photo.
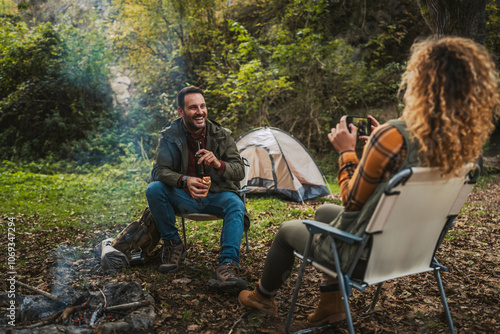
(185, 304)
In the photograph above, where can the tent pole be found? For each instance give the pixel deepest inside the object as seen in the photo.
(327, 185)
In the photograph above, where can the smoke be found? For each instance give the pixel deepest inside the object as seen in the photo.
(63, 273)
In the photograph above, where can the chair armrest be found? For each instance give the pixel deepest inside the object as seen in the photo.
(315, 227)
(243, 191)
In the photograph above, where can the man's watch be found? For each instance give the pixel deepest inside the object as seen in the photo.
(184, 182)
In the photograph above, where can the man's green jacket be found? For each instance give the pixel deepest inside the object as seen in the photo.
(171, 160)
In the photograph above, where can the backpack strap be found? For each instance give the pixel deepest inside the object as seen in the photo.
(129, 239)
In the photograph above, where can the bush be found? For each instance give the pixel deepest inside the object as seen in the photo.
(54, 88)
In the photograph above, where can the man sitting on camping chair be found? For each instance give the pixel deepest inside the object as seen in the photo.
(450, 101)
(187, 145)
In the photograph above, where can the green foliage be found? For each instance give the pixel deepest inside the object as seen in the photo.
(85, 198)
(8, 7)
(317, 104)
(287, 64)
(293, 64)
(485, 180)
(53, 88)
(241, 86)
(301, 72)
(152, 38)
(297, 65)
(493, 28)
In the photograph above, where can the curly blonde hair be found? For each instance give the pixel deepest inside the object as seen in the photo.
(451, 100)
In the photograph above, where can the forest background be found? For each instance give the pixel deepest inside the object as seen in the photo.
(88, 82)
(86, 86)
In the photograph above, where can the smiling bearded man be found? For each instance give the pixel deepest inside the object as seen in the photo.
(190, 148)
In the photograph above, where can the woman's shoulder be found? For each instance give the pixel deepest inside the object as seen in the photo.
(390, 128)
(387, 137)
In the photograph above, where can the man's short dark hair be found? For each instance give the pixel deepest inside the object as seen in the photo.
(185, 91)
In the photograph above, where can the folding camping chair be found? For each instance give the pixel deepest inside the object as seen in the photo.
(207, 217)
(408, 225)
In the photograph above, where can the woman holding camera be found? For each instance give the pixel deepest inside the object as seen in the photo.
(451, 98)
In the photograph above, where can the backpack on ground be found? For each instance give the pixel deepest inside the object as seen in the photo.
(139, 239)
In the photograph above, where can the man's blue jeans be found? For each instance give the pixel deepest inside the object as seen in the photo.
(165, 201)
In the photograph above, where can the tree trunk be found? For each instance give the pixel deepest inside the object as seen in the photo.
(466, 18)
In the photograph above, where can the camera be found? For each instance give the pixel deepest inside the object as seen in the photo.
(362, 123)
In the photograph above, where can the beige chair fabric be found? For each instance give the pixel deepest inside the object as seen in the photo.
(405, 227)
(408, 225)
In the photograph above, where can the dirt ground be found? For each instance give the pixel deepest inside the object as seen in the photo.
(184, 303)
(408, 305)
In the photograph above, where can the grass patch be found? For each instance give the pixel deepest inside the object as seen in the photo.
(80, 205)
(52, 198)
(454, 234)
(267, 213)
(100, 198)
(56, 196)
(484, 180)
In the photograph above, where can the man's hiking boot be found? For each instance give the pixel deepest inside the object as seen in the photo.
(253, 299)
(172, 256)
(226, 278)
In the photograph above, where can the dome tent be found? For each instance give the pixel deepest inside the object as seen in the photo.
(280, 164)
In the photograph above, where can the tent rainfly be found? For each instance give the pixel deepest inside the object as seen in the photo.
(280, 164)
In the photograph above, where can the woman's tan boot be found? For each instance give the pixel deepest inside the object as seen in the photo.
(330, 308)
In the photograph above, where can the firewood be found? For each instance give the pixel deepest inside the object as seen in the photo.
(127, 306)
(44, 321)
(40, 292)
(70, 310)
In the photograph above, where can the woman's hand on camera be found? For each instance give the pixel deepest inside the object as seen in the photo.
(375, 124)
(342, 138)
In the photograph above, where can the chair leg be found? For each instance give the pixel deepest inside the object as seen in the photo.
(184, 232)
(343, 288)
(375, 298)
(443, 300)
(246, 238)
(305, 259)
(297, 285)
